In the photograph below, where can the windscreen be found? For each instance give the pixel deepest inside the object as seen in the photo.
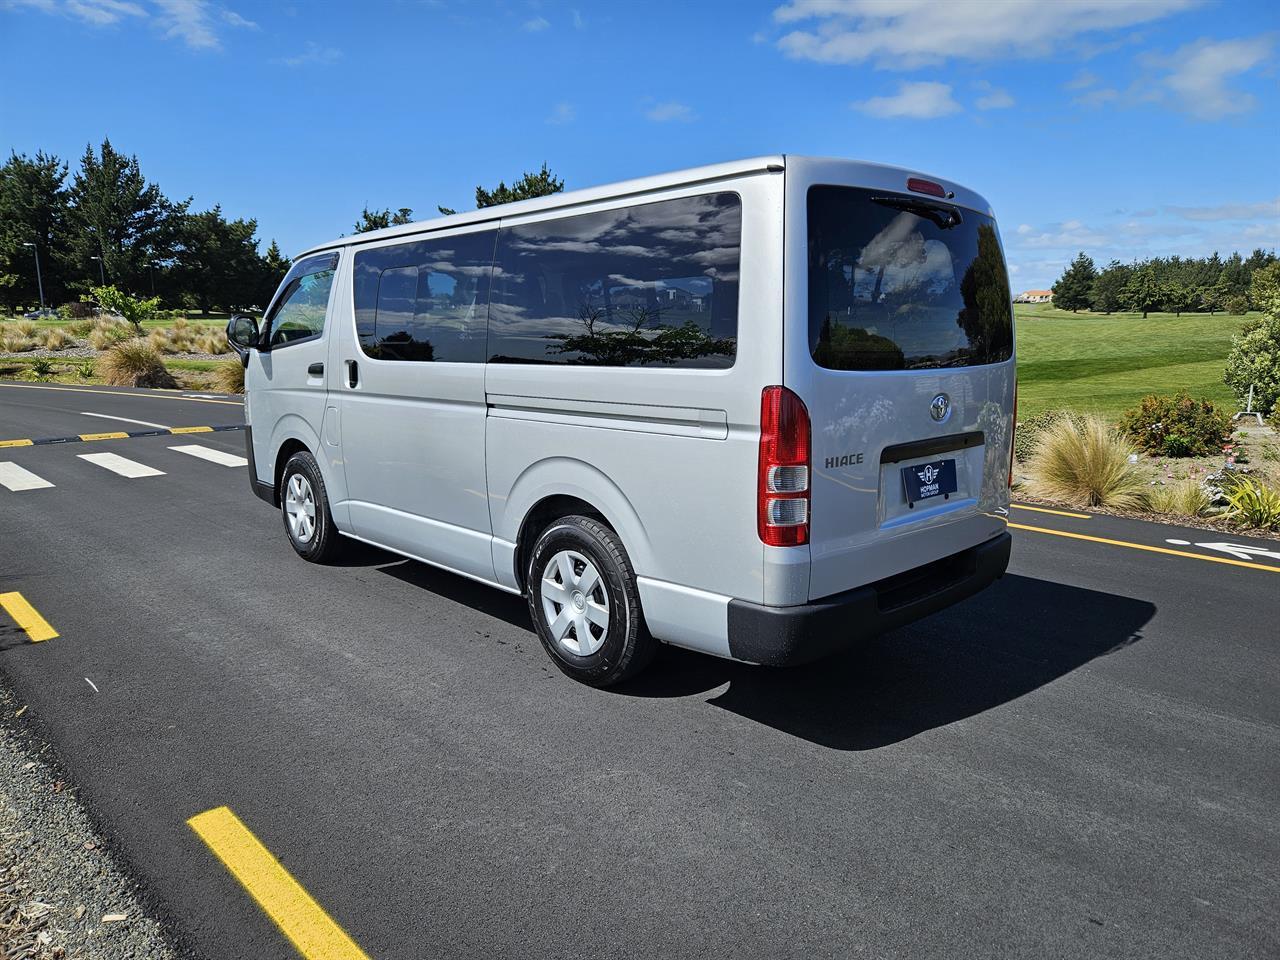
(898, 282)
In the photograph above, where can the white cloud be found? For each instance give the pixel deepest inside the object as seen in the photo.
(536, 25)
(922, 100)
(1096, 98)
(313, 53)
(578, 22)
(1081, 81)
(667, 112)
(195, 22)
(1198, 73)
(189, 21)
(993, 98)
(234, 19)
(98, 13)
(1267, 209)
(562, 113)
(906, 34)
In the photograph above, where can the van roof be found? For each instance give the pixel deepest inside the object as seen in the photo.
(607, 191)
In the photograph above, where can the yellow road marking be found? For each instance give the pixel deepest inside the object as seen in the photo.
(25, 616)
(119, 393)
(283, 899)
(104, 436)
(1143, 546)
(15, 443)
(191, 429)
(1056, 513)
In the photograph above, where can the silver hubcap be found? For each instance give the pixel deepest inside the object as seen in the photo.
(300, 508)
(574, 603)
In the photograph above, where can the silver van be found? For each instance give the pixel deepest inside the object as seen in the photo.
(759, 409)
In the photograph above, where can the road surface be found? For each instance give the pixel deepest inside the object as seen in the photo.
(1083, 761)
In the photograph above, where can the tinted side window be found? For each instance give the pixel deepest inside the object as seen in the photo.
(425, 300)
(650, 285)
(298, 313)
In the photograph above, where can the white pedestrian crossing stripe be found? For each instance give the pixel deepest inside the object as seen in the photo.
(121, 465)
(14, 477)
(212, 455)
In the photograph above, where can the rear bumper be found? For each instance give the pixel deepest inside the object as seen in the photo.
(789, 635)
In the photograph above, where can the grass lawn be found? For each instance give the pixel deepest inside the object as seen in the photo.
(1102, 363)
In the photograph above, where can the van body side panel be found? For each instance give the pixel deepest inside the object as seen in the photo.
(862, 527)
(669, 455)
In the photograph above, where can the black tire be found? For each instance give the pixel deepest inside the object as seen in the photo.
(323, 542)
(625, 645)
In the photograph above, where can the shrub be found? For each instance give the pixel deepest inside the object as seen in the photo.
(1027, 437)
(134, 363)
(55, 339)
(1238, 305)
(42, 368)
(1254, 361)
(228, 377)
(107, 333)
(135, 310)
(25, 328)
(214, 343)
(1176, 426)
(77, 311)
(1187, 498)
(85, 368)
(16, 343)
(80, 328)
(1084, 462)
(1253, 504)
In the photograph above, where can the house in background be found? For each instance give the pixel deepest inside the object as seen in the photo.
(1034, 296)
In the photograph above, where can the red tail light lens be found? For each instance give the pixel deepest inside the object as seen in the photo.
(916, 185)
(782, 492)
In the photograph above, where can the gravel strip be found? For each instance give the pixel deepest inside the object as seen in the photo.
(62, 896)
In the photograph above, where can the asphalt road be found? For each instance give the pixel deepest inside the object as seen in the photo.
(1083, 761)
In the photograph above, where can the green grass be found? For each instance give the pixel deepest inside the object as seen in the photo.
(1105, 364)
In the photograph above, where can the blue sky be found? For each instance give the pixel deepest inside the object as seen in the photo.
(1126, 128)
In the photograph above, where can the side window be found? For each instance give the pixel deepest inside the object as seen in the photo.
(654, 285)
(299, 311)
(425, 300)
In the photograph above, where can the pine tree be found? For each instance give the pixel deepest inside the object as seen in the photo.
(1074, 288)
(1144, 291)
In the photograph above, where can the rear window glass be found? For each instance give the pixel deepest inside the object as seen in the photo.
(898, 282)
(653, 285)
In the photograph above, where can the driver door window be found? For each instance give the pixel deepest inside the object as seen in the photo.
(299, 314)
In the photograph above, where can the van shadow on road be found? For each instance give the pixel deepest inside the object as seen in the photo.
(1018, 635)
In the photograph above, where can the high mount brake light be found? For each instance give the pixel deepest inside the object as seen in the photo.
(917, 185)
(782, 490)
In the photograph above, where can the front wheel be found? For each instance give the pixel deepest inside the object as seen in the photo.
(304, 504)
(585, 603)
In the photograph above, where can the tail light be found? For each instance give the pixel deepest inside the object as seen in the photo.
(1013, 430)
(782, 492)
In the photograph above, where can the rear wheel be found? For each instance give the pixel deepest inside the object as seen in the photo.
(304, 504)
(585, 603)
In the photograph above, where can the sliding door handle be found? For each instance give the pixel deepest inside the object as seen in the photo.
(353, 374)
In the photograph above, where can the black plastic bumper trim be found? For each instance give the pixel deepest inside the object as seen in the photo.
(788, 635)
(263, 491)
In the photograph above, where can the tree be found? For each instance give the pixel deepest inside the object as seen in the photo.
(1144, 291)
(33, 209)
(117, 215)
(1254, 360)
(1075, 287)
(271, 270)
(1179, 296)
(381, 219)
(1213, 298)
(530, 185)
(133, 309)
(217, 262)
(1108, 287)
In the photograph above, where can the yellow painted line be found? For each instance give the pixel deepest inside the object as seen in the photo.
(15, 443)
(119, 393)
(104, 436)
(1149, 549)
(1056, 513)
(25, 616)
(283, 899)
(191, 429)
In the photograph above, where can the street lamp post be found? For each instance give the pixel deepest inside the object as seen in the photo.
(39, 279)
(152, 265)
(102, 274)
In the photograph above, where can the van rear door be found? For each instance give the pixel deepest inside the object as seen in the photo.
(899, 339)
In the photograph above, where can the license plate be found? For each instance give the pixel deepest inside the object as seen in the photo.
(926, 480)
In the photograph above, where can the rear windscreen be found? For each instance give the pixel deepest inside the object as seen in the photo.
(898, 282)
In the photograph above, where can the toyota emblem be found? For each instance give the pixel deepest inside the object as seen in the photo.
(940, 408)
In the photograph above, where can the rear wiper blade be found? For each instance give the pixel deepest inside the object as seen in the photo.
(943, 215)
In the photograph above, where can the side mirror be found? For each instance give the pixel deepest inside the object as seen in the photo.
(242, 334)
